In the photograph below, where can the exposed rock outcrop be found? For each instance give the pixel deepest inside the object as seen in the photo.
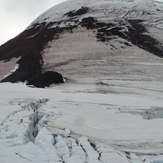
(117, 25)
(46, 79)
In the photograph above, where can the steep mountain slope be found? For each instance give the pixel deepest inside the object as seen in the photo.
(88, 39)
(110, 108)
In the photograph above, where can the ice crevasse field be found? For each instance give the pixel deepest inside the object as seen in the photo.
(110, 108)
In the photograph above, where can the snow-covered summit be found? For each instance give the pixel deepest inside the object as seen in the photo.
(120, 6)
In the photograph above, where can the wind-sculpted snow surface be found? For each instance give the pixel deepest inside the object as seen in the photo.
(79, 123)
(96, 6)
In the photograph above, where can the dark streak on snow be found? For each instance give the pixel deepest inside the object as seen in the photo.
(132, 31)
(153, 113)
(11, 114)
(128, 156)
(29, 44)
(29, 49)
(81, 11)
(86, 154)
(93, 145)
(23, 157)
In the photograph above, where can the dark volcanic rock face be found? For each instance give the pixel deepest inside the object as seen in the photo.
(81, 11)
(134, 33)
(29, 65)
(29, 45)
(46, 79)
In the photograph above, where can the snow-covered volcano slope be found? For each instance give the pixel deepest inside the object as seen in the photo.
(89, 39)
(110, 110)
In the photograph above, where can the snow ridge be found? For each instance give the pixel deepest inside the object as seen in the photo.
(56, 13)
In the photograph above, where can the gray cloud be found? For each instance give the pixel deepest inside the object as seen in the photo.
(16, 15)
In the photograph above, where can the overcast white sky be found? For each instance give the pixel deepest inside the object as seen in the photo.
(16, 15)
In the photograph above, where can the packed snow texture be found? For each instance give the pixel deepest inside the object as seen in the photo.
(101, 9)
(81, 122)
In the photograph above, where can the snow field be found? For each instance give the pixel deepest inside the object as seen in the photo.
(72, 123)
